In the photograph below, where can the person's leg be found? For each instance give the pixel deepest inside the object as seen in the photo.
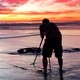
(58, 54)
(60, 62)
(47, 52)
(45, 63)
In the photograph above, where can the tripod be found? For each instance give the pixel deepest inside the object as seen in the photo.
(37, 54)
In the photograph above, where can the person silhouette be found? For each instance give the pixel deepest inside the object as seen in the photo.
(53, 41)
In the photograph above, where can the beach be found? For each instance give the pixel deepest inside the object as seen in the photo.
(18, 67)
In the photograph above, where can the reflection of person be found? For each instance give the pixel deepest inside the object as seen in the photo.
(52, 42)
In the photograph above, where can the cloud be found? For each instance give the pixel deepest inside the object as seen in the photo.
(15, 1)
(48, 5)
(11, 3)
(37, 9)
(40, 5)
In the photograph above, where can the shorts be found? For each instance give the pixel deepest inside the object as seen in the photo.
(52, 45)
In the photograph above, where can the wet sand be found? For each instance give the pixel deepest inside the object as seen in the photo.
(18, 67)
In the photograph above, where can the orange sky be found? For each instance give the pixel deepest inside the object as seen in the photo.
(36, 10)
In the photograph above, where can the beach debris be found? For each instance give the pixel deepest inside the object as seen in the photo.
(34, 50)
(29, 50)
(71, 50)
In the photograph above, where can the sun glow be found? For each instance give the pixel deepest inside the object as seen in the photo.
(25, 8)
(36, 10)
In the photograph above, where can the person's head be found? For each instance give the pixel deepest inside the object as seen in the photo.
(45, 20)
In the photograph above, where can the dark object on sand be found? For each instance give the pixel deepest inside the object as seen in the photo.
(72, 50)
(76, 49)
(31, 50)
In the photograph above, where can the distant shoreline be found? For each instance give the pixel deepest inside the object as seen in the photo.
(37, 28)
(76, 23)
(29, 26)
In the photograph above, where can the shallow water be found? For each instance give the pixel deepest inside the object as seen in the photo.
(18, 67)
(11, 40)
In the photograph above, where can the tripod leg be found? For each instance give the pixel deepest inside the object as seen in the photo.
(35, 60)
(37, 53)
(50, 65)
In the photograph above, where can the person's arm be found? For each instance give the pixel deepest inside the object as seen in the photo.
(41, 32)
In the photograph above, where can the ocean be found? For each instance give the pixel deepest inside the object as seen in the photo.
(14, 39)
(18, 67)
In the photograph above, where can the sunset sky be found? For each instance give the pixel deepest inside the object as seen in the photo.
(36, 10)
